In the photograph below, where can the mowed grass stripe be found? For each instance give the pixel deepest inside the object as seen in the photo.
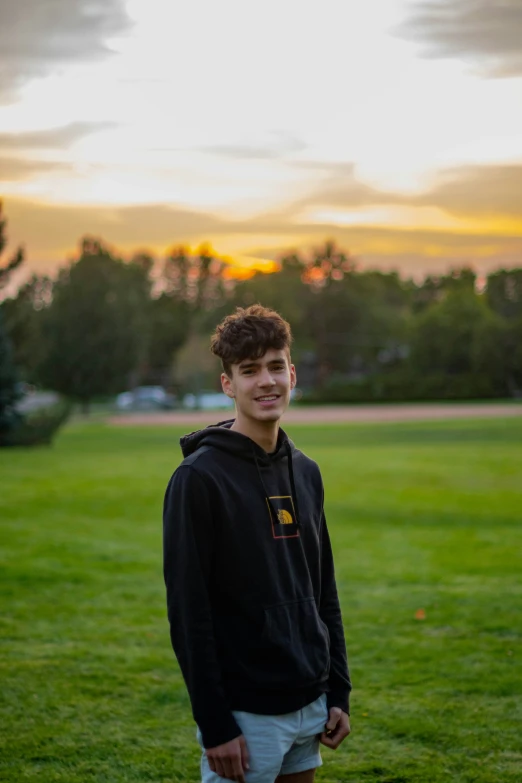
(423, 516)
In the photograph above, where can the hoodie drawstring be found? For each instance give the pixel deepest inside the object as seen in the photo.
(292, 482)
(272, 509)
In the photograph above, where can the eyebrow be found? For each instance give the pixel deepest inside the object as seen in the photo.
(253, 363)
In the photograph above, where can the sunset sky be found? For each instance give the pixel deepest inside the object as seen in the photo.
(393, 127)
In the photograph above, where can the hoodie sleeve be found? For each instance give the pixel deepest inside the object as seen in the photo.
(188, 537)
(330, 613)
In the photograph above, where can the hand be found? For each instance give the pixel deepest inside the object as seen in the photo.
(229, 760)
(336, 730)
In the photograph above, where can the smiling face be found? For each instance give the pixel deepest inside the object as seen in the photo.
(261, 387)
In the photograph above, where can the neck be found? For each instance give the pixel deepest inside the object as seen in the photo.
(264, 433)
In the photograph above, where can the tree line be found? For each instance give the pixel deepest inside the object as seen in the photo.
(103, 324)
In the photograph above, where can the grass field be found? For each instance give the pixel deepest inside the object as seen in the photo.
(422, 517)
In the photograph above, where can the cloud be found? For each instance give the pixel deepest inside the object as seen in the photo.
(276, 146)
(39, 36)
(51, 138)
(341, 188)
(485, 32)
(478, 191)
(471, 191)
(14, 169)
(50, 232)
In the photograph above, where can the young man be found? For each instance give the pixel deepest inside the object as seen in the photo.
(252, 602)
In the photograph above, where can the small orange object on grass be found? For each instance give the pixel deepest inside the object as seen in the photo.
(420, 614)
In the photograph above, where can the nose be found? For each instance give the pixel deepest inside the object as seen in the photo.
(266, 378)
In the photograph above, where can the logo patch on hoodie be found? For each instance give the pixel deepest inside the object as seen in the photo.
(282, 516)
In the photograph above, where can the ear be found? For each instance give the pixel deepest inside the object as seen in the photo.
(226, 385)
(293, 377)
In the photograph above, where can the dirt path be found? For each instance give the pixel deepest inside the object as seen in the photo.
(336, 413)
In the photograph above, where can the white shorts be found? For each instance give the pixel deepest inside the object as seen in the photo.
(277, 744)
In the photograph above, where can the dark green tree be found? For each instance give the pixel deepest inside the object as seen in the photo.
(24, 315)
(195, 279)
(343, 321)
(351, 319)
(95, 327)
(9, 393)
(282, 290)
(15, 261)
(504, 293)
(169, 321)
(457, 349)
(513, 356)
(434, 288)
(189, 287)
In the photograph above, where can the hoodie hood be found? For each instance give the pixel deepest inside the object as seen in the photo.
(221, 436)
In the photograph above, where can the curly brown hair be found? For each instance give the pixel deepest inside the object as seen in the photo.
(248, 334)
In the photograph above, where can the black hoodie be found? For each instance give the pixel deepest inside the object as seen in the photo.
(252, 603)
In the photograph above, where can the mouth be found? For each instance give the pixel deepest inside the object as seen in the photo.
(267, 399)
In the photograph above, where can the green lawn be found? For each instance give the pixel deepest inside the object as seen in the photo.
(422, 516)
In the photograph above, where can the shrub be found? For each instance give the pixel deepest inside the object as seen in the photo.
(38, 427)
(404, 385)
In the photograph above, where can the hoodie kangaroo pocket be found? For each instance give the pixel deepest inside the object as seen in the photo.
(298, 644)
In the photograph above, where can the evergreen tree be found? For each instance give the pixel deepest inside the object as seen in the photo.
(9, 393)
(24, 315)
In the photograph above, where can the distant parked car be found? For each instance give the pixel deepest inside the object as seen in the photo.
(145, 398)
(208, 401)
(31, 399)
